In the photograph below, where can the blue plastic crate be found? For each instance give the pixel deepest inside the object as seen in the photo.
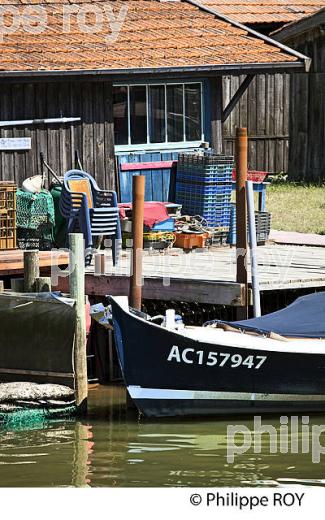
(212, 206)
(204, 189)
(214, 218)
(203, 203)
(220, 198)
(197, 205)
(207, 202)
(213, 210)
(205, 168)
(205, 159)
(204, 177)
(217, 222)
(223, 218)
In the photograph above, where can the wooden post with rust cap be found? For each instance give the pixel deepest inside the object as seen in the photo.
(138, 186)
(241, 216)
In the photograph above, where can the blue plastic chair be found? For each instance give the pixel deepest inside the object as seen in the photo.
(92, 211)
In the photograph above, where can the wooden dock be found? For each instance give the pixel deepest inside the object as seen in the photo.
(209, 276)
(12, 261)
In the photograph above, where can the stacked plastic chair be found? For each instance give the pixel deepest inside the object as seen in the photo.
(91, 211)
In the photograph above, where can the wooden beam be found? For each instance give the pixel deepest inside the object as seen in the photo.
(156, 165)
(186, 290)
(216, 103)
(236, 97)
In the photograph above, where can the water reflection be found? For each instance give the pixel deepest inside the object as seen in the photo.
(115, 448)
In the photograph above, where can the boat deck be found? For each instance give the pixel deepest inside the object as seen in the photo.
(209, 276)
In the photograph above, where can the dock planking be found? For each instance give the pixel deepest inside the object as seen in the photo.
(209, 276)
(201, 276)
(12, 261)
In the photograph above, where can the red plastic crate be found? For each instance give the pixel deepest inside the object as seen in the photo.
(252, 175)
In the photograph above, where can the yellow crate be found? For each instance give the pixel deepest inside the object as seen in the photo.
(8, 235)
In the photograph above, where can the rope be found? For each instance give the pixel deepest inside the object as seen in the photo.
(191, 224)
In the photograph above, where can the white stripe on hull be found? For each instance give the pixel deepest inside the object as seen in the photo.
(136, 392)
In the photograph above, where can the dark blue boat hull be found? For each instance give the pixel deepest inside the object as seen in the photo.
(168, 374)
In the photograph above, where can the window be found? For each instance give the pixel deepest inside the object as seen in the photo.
(161, 113)
(192, 113)
(157, 119)
(120, 114)
(138, 114)
(175, 113)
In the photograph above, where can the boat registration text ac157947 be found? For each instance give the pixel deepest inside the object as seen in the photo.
(191, 356)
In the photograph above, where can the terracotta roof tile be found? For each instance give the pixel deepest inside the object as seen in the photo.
(265, 11)
(153, 34)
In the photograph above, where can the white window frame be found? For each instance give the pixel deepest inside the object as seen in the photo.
(165, 145)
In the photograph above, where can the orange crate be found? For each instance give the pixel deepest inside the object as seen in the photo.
(191, 240)
(7, 215)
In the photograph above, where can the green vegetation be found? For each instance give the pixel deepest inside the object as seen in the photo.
(297, 207)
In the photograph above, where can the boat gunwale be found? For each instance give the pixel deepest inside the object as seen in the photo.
(313, 346)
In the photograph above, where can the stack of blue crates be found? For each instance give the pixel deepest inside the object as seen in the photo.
(204, 185)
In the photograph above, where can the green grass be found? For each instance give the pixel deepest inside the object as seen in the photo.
(296, 207)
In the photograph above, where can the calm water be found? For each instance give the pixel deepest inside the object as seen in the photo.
(112, 448)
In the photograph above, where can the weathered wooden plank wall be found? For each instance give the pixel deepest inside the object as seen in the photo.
(264, 110)
(216, 107)
(307, 114)
(93, 136)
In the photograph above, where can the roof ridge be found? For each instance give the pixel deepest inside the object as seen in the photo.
(256, 34)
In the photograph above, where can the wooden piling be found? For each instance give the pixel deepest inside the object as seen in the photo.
(241, 215)
(138, 186)
(31, 270)
(100, 263)
(43, 284)
(77, 292)
(2, 286)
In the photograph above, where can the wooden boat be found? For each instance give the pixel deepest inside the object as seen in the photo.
(275, 363)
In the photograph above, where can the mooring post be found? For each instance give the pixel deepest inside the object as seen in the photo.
(241, 216)
(77, 292)
(138, 186)
(43, 284)
(100, 264)
(2, 286)
(31, 270)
